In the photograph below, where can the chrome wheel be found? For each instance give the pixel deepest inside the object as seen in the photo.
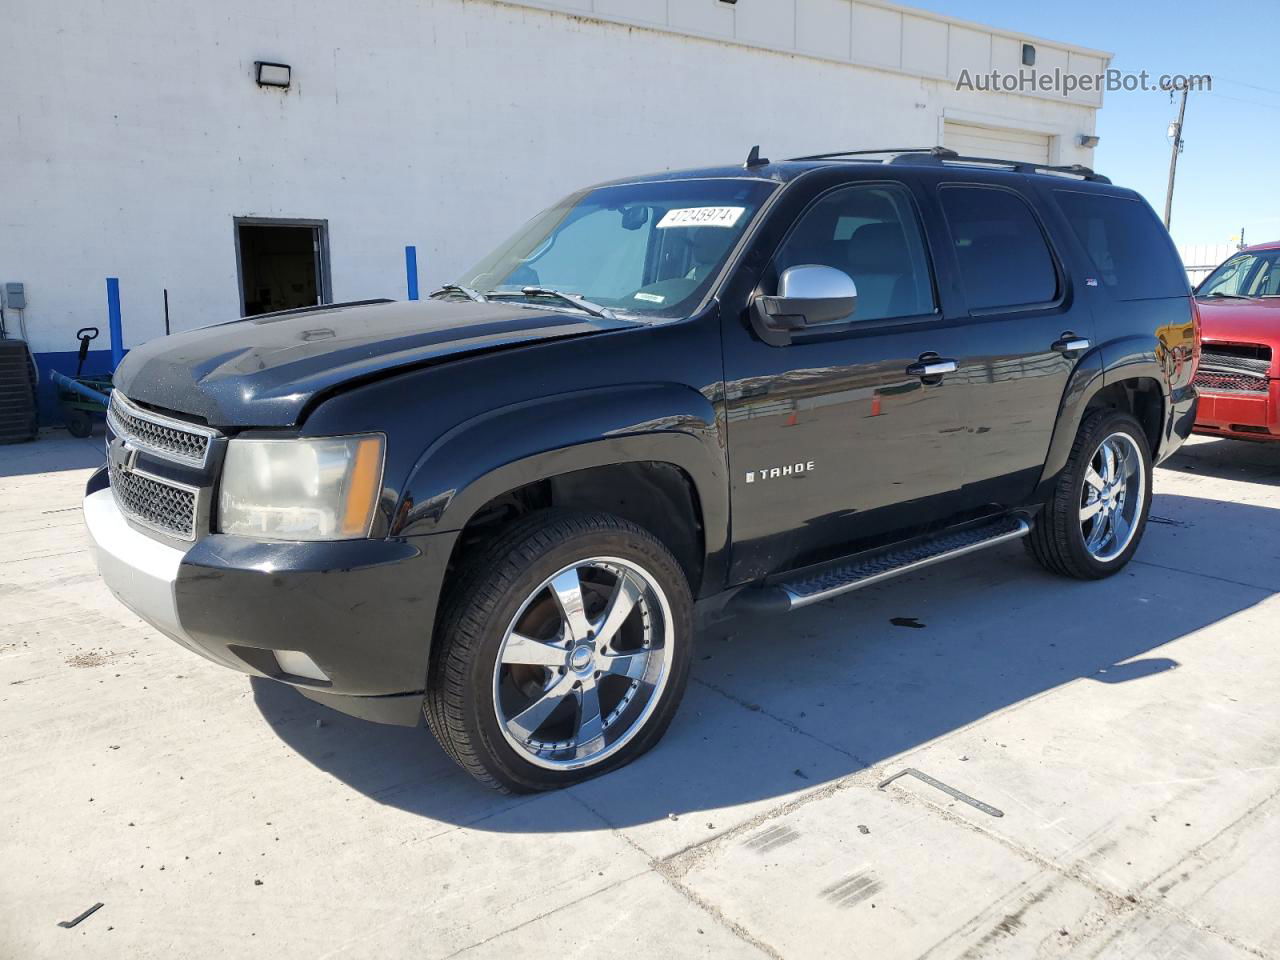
(1112, 499)
(583, 663)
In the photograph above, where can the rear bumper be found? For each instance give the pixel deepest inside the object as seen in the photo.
(350, 620)
(1183, 404)
(1224, 413)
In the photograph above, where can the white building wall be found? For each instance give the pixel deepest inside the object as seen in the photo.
(862, 32)
(134, 133)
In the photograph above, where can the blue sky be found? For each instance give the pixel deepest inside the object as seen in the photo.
(1227, 172)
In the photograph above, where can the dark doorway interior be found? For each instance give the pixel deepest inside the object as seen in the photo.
(281, 266)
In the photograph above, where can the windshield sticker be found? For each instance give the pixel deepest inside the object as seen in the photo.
(702, 217)
(651, 297)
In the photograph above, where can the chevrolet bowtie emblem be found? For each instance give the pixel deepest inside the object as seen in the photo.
(126, 456)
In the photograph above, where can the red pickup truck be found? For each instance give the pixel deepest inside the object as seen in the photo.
(1239, 374)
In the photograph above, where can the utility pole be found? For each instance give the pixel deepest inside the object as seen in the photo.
(1175, 130)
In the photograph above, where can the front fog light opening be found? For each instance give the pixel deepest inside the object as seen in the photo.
(298, 664)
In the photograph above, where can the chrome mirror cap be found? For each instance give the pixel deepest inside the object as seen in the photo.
(812, 281)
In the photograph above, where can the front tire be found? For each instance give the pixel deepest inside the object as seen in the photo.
(563, 652)
(1093, 523)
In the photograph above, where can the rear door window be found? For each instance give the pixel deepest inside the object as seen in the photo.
(1128, 246)
(1002, 253)
(870, 232)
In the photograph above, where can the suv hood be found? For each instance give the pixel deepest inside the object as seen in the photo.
(1241, 321)
(265, 371)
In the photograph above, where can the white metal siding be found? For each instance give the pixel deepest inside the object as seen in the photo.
(865, 32)
(440, 123)
(997, 142)
(1201, 259)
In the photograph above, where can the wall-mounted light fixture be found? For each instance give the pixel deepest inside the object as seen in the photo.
(1087, 140)
(273, 74)
(1028, 55)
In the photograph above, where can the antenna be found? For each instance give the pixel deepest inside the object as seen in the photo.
(754, 159)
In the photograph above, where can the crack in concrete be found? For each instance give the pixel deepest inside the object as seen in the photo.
(1206, 576)
(794, 728)
(1119, 904)
(656, 866)
(548, 913)
(45, 556)
(737, 929)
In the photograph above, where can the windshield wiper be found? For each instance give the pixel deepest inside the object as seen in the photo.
(586, 306)
(1226, 296)
(459, 288)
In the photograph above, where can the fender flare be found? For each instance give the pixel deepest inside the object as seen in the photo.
(519, 444)
(1128, 358)
(1131, 358)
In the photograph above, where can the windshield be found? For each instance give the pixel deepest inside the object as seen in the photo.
(642, 248)
(1246, 275)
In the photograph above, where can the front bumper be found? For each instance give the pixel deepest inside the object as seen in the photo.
(1244, 416)
(361, 611)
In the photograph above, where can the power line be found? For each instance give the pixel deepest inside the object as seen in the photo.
(1251, 86)
(1256, 103)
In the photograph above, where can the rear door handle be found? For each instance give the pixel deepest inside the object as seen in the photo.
(933, 367)
(1071, 344)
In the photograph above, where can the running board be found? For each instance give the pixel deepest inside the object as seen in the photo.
(814, 584)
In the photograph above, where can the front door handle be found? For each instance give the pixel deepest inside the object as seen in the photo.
(1070, 343)
(933, 367)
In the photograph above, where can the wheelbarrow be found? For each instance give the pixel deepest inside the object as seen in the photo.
(82, 398)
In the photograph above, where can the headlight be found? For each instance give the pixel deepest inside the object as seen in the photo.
(301, 489)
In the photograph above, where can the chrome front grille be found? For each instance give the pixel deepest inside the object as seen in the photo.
(160, 505)
(1233, 382)
(1238, 368)
(172, 439)
(161, 470)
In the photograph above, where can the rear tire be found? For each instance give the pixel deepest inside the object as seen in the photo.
(562, 653)
(1093, 523)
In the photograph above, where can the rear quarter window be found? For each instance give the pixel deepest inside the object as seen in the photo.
(1128, 246)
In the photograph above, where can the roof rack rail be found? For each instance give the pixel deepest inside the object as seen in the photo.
(863, 153)
(943, 155)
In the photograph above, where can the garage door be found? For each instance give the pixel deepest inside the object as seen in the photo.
(996, 142)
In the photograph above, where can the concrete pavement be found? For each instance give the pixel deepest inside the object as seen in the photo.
(1127, 731)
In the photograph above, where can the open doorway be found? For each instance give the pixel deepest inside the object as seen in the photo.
(283, 264)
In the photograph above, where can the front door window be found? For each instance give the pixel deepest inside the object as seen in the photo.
(869, 232)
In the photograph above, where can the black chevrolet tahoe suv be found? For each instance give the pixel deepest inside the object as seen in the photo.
(667, 400)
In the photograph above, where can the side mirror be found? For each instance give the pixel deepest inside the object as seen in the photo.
(812, 298)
